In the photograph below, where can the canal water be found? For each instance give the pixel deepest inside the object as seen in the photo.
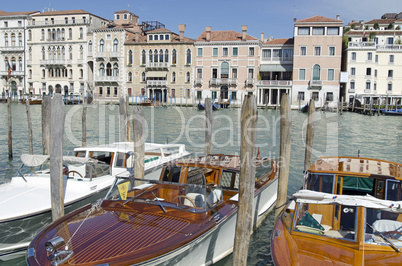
(335, 135)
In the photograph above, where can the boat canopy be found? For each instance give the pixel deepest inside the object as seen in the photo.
(33, 160)
(314, 197)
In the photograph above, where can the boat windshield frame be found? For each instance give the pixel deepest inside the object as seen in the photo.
(187, 197)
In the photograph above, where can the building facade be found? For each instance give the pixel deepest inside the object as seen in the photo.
(374, 61)
(13, 46)
(226, 66)
(317, 61)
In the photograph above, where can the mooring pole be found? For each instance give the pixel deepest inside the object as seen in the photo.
(354, 103)
(29, 126)
(84, 122)
(284, 157)
(10, 129)
(308, 155)
(123, 120)
(57, 117)
(208, 125)
(244, 224)
(127, 116)
(139, 141)
(46, 124)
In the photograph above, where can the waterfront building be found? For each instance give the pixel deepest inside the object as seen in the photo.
(160, 64)
(13, 43)
(374, 60)
(57, 51)
(275, 73)
(226, 65)
(317, 61)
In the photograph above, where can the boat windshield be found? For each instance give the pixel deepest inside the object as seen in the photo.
(320, 219)
(188, 197)
(383, 228)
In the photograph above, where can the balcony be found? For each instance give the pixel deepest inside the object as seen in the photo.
(12, 49)
(106, 78)
(156, 83)
(157, 65)
(53, 62)
(315, 84)
(249, 82)
(360, 45)
(114, 54)
(351, 91)
(276, 83)
(61, 39)
(223, 81)
(58, 22)
(279, 59)
(198, 81)
(100, 54)
(13, 73)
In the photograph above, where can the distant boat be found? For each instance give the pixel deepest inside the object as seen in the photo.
(32, 100)
(397, 112)
(187, 217)
(304, 109)
(201, 107)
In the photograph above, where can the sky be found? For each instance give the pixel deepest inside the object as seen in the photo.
(271, 17)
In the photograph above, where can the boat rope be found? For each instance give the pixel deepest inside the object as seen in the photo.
(93, 207)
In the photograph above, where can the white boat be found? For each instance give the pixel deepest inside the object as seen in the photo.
(25, 201)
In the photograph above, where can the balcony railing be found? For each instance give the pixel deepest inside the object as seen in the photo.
(52, 62)
(249, 81)
(316, 84)
(12, 48)
(58, 22)
(223, 81)
(198, 81)
(157, 83)
(351, 90)
(13, 73)
(373, 45)
(100, 54)
(114, 54)
(106, 78)
(157, 65)
(278, 59)
(274, 83)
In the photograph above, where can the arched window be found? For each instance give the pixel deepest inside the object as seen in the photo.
(144, 57)
(130, 57)
(101, 70)
(81, 73)
(30, 53)
(20, 39)
(19, 64)
(58, 36)
(43, 53)
(115, 70)
(108, 69)
(174, 57)
(70, 33)
(188, 77)
(115, 45)
(13, 64)
(156, 56)
(63, 34)
(316, 72)
(166, 56)
(49, 34)
(6, 39)
(70, 52)
(49, 54)
(151, 59)
(225, 70)
(143, 77)
(101, 46)
(81, 33)
(174, 77)
(12, 39)
(161, 56)
(53, 34)
(81, 52)
(90, 47)
(58, 53)
(188, 57)
(63, 53)
(130, 77)
(42, 36)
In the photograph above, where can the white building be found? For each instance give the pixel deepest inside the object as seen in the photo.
(12, 50)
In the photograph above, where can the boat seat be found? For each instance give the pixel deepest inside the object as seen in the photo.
(214, 197)
(198, 199)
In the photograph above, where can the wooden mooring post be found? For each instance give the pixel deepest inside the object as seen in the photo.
(57, 117)
(308, 155)
(208, 125)
(244, 224)
(84, 122)
(123, 120)
(371, 106)
(139, 141)
(342, 105)
(30, 134)
(379, 106)
(10, 129)
(46, 124)
(354, 104)
(284, 157)
(127, 116)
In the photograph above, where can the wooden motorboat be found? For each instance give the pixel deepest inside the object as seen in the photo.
(187, 217)
(32, 100)
(201, 106)
(321, 229)
(25, 201)
(304, 109)
(342, 177)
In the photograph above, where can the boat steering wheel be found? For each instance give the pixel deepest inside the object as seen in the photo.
(390, 233)
(74, 172)
(184, 196)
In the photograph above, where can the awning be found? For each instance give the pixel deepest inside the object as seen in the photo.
(156, 74)
(276, 68)
(33, 160)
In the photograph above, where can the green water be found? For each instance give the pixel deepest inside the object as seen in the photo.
(375, 136)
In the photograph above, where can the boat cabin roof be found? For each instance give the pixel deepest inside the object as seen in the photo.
(357, 166)
(213, 161)
(125, 147)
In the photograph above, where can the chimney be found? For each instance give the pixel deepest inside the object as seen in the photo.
(338, 17)
(244, 32)
(182, 29)
(137, 37)
(208, 32)
(262, 36)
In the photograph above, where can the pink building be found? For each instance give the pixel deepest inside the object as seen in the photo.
(226, 65)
